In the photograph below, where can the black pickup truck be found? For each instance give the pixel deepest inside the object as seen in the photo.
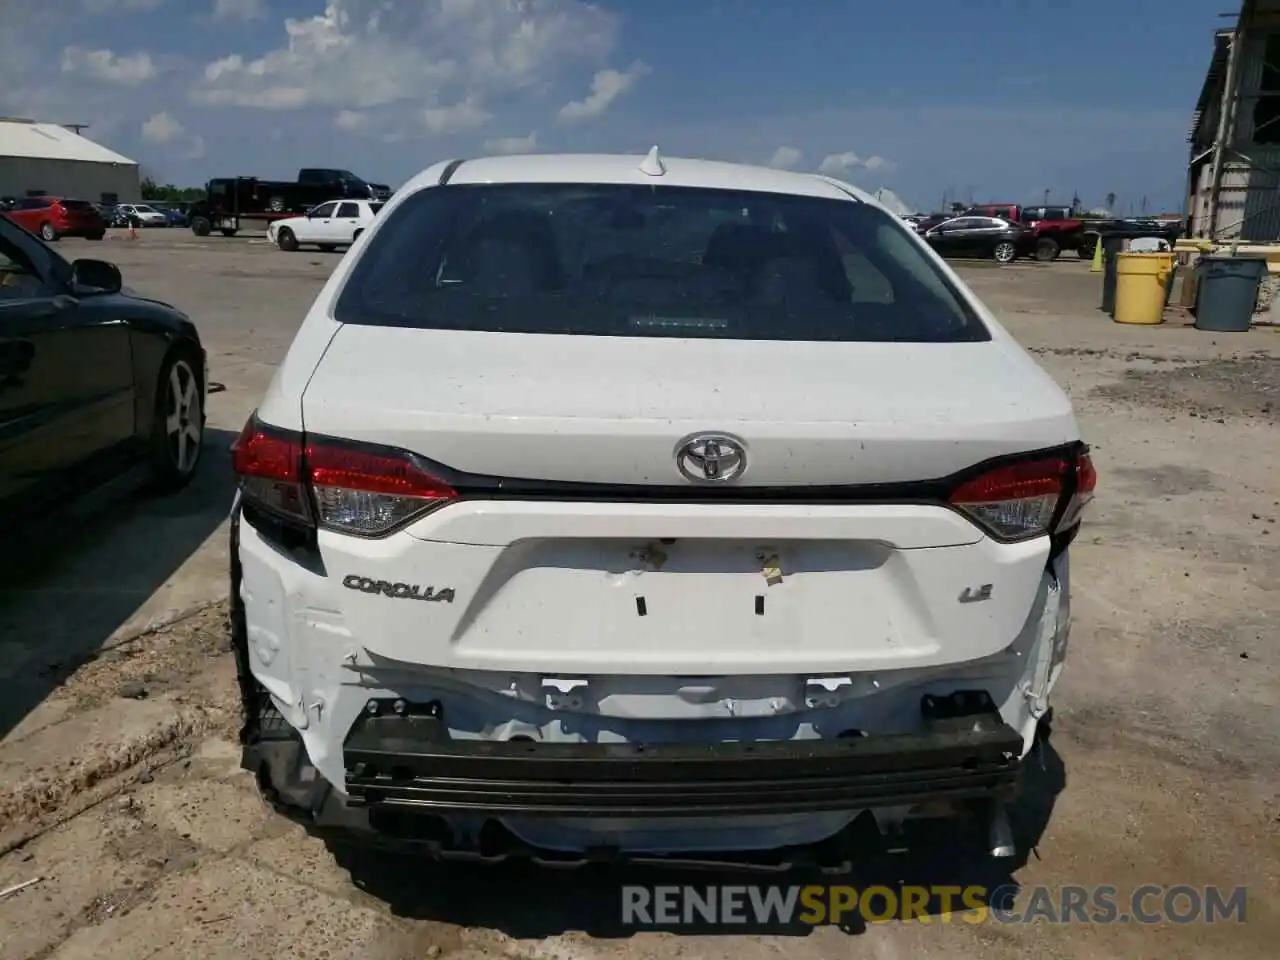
(230, 200)
(1095, 231)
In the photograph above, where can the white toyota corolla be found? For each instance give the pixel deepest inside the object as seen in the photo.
(654, 508)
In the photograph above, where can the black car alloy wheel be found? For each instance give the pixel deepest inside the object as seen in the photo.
(178, 436)
(1005, 252)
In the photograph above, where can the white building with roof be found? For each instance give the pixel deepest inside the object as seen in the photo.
(48, 158)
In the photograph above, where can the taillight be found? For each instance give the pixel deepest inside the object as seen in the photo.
(1018, 501)
(1086, 480)
(348, 488)
(269, 464)
(369, 493)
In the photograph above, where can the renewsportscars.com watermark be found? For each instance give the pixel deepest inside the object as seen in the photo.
(775, 906)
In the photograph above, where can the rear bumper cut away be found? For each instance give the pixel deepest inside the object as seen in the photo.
(409, 762)
(410, 789)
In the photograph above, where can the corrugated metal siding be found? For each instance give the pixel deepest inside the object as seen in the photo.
(1204, 119)
(1249, 198)
(1259, 200)
(22, 138)
(68, 178)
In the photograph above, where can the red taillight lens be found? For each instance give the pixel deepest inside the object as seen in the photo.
(269, 464)
(1016, 501)
(370, 493)
(1086, 480)
(357, 490)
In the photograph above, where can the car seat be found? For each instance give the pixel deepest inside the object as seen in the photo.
(512, 254)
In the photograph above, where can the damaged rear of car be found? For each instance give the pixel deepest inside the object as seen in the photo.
(669, 510)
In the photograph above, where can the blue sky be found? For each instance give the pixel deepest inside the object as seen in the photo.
(998, 99)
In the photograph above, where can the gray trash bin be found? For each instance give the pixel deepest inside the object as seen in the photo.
(1111, 248)
(1228, 292)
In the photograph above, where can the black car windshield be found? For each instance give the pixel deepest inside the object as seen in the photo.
(642, 261)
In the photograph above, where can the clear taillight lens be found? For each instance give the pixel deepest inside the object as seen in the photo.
(348, 488)
(1018, 501)
(369, 493)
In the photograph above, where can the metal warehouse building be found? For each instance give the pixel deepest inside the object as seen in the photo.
(1234, 168)
(47, 158)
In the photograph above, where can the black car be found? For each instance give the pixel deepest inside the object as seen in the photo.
(96, 384)
(987, 238)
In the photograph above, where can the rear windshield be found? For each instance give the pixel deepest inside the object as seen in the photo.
(77, 205)
(621, 260)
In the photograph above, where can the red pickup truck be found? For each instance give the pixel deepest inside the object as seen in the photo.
(1056, 230)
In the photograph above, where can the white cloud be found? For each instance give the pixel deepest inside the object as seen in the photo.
(127, 69)
(877, 163)
(161, 128)
(466, 115)
(239, 9)
(362, 54)
(507, 145)
(838, 163)
(350, 120)
(784, 158)
(606, 87)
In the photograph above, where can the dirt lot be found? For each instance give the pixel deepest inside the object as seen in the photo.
(120, 782)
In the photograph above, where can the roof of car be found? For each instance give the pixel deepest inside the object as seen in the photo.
(626, 169)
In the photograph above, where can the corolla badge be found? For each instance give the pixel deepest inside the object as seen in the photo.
(398, 591)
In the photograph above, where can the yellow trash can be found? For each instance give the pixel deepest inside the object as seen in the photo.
(1142, 286)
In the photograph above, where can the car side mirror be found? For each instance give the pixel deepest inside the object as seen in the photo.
(90, 277)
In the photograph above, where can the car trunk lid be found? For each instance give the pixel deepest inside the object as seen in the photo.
(613, 410)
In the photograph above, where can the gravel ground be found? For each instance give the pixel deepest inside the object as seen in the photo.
(1246, 387)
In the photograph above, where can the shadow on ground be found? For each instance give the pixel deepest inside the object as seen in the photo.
(64, 593)
(527, 901)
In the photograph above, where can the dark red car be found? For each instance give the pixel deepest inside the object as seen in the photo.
(52, 217)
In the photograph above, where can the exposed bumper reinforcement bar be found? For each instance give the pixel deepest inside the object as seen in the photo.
(408, 761)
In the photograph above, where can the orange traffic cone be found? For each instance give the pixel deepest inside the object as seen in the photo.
(133, 233)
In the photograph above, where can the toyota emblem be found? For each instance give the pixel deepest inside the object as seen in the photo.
(711, 458)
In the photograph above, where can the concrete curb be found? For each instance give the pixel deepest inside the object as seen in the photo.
(121, 747)
(160, 621)
(37, 805)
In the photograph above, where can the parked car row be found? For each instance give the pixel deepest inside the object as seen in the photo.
(54, 217)
(1047, 231)
(157, 213)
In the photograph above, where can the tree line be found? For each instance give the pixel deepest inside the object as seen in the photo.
(156, 191)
